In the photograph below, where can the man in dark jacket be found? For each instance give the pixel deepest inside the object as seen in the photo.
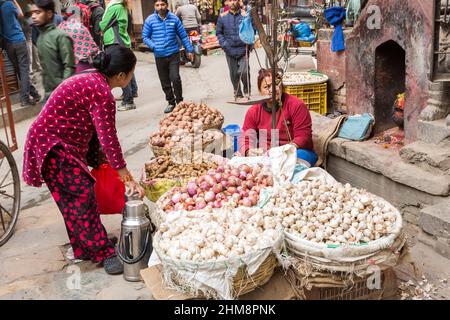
(160, 35)
(17, 49)
(55, 47)
(235, 49)
(97, 12)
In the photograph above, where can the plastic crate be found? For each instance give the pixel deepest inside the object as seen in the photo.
(314, 95)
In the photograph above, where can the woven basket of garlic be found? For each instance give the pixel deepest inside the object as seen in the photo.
(336, 227)
(221, 254)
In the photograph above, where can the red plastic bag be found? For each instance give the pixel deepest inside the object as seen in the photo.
(109, 190)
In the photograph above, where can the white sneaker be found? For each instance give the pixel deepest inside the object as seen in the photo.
(126, 107)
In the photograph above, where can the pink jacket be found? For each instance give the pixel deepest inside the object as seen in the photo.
(79, 107)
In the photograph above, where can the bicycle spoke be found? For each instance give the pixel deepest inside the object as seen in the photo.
(7, 185)
(2, 208)
(3, 193)
(3, 221)
(9, 171)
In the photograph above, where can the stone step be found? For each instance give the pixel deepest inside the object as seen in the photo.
(435, 221)
(433, 131)
(430, 157)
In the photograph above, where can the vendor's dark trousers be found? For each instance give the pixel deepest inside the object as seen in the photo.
(169, 75)
(130, 91)
(72, 189)
(240, 74)
(20, 58)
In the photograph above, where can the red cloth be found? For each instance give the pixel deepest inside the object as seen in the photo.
(109, 190)
(79, 107)
(298, 120)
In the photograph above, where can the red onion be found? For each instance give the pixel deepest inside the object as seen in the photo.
(178, 206)
(217, 204)
(256, 189)
(200, 205)
(244, 194)
(184, 190)
(211, 172)
(231, 190)
(190, 208)
(235, 172)
(184, 196)
(220, 196)
(217, 188)
(236, 197)
(204, 186)
(254, 200)
(245, 168)
(220, 169)
(240, 189)
(176, 197)
(232, 181)
(210, 196)
(224, 183)
(243, 175)
(252, 193)
(190, 201)
(192, 188)
(250, 184)
(247, 202)
(250, 177)
(218, 177)
(270, 181)
(210, 180)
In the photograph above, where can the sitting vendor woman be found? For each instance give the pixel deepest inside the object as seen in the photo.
(57, 145)
(293, 123)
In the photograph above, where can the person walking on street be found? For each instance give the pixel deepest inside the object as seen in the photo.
(95, 12)
(190, 16)
(17, 50)
(237, 52)
(54, 46)
(115, 26)
(84, 46)
(160, 35)
(56, 151)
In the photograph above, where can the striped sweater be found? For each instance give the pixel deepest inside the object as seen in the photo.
(161, 35)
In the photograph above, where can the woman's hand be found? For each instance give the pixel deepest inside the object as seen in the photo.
(134, 187)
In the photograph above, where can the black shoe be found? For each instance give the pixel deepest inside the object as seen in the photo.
(37, 97)
(28, 103)
(169, 108)
(113, 266)
(135, 95)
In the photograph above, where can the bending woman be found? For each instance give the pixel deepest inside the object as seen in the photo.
(57, 145)
(293, 123)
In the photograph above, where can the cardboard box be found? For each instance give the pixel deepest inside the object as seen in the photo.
(278, 288)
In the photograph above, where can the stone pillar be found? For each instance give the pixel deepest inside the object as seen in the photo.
(438, 102)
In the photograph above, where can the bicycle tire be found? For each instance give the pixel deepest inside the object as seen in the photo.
(16, 204)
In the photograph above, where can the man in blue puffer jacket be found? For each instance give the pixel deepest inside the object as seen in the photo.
(235, 49)
(160, 35)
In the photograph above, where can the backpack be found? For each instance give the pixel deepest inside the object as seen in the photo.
(2, 38)
(85, 12)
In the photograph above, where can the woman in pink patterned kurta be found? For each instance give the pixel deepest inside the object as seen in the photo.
(56, 147)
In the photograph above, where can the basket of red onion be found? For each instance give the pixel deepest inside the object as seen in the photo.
(223, 186)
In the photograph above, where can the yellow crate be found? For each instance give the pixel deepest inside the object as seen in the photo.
(314, 95)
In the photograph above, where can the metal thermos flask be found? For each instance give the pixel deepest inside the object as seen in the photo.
(135, 243)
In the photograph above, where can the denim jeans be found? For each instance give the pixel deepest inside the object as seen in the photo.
(129, 91)
(20, 58)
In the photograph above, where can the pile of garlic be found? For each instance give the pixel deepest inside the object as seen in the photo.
(202, 236)
(331, 214)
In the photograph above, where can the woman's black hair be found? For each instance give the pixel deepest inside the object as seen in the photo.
(114, 60)
(47, 5)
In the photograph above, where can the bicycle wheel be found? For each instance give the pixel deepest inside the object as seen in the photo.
(9, 193)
